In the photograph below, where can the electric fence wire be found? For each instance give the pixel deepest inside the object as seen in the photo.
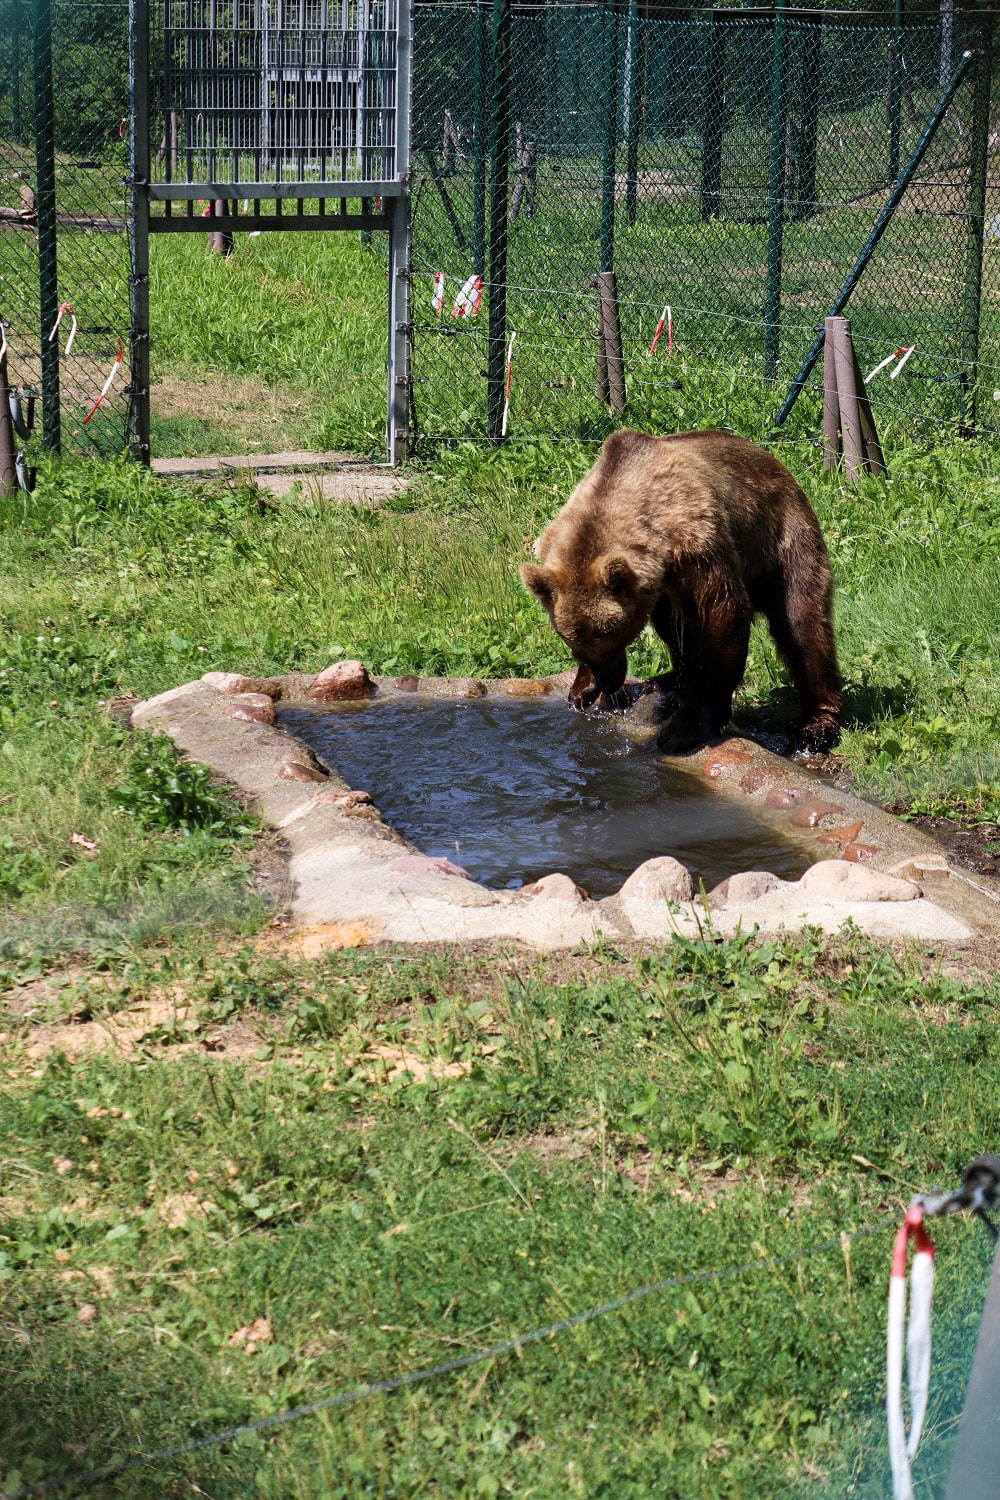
(87, 1477)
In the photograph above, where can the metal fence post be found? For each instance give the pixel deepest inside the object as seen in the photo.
(497, 325)
(895, 88)
(479, 141)
(8, 467)
(397, 439)
(15, 68)
(713, 120)
(975, 222)
(45, 205)
(776, 199)
(610, 40)
(632, 115)
(974, 1467)
(812, 88)
(139, 228)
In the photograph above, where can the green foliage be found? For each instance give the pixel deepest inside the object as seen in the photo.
(163, 791)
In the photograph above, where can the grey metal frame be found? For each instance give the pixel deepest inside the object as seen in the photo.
(391, 147)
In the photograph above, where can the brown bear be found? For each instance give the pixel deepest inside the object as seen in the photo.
(695, 533)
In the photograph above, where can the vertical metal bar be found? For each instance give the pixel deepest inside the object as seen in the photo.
(479, 140)
(895, 88)
(45, 205)
(776, 197)
(632, 113)
(975, 222)
(8, 466)
(713, 119)
(976, 1463)
(610, 53)
(400, 331)
(497, 326)
(139, 227)
(812, 88)
(947, 38)
(15, 69)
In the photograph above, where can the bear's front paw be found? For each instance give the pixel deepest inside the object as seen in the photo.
(820, 735)
(584, 690)
(686, 730)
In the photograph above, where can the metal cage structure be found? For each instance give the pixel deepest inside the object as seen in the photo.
(290, 108)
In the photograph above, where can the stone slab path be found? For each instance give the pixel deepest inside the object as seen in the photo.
(328, 476)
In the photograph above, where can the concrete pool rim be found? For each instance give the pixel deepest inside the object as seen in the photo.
(354, 875)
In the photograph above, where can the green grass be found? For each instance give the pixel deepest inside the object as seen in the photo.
(382, 1226)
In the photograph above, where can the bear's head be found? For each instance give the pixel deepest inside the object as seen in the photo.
(598, 608)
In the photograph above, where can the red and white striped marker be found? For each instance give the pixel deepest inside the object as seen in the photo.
(506, 389)
(107, 384)
(905, 352)
(918, 1346)
(666, 317)
(3, 338)
(437, 301)
(65, 308)
(468, 299)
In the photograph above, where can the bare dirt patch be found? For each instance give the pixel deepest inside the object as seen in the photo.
(246, 416)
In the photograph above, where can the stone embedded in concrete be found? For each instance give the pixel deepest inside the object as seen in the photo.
(813, 810)
(256, 708)
(428, 864)
(748, 885)
(346, 800)
(922, 869)
(858, 854)
(840, 881)
(841, 836)
(407, 684)
(468, 687)
(293, 769)
(343, 682)
(785, 796)
(526, 687)
(234, 682)
(757, 777)
(660, 879)
(555, 887)
(723, 759)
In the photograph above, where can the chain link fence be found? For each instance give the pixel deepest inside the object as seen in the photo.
(64, 102)
(729, 164)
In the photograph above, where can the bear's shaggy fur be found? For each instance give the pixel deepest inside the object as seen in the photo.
(695, 533)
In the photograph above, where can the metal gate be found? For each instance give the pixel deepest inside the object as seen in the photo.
(271, 115)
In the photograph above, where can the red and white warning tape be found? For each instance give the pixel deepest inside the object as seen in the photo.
(666, 317)
(918, 1345)
(64, 308)
(506, 389)
(905, 352)
(107, 384)
(437, 301)
(468, 299)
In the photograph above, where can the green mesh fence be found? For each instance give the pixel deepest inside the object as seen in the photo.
(728, 164)
(64, 212)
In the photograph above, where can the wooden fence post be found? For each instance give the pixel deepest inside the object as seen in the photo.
(849, 430)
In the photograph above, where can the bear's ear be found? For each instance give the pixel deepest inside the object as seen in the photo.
(616, 573)
(537, 581)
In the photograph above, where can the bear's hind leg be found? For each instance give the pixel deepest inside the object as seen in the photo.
(802, 626)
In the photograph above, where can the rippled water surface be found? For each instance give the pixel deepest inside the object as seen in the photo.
(514, 790)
